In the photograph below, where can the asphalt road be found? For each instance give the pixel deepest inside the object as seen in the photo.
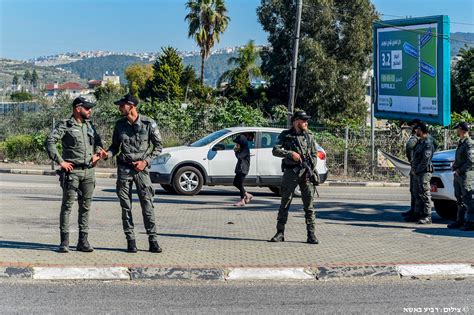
(343, 297)
(12, 184)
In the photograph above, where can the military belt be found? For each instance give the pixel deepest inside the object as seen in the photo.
(82, 166)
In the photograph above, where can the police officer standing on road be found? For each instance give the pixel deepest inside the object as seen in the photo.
(137, 141)
(409, 148)
(421, 170)
(463, 169)
(81, 149)
(297, 147)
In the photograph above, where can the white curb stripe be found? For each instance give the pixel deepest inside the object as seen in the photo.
(268, 274)
(71, 273)
(435, 270)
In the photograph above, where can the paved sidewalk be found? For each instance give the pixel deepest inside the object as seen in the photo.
(357, 227)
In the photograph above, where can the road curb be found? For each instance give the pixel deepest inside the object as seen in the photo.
(414, 271)
(152, 273)
(249, 274)
(113, 175)
(328, 273)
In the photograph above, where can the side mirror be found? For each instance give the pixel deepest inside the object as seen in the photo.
(218, 147)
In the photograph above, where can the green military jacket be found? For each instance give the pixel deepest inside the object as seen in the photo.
(422, 156)
(464, 156)
(288, 143)
(137, 142)
(410, 146)
(79, 141)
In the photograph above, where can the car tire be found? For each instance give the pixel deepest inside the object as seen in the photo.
(168, 188)
(446, 209)
(276, 190)
(187, 180)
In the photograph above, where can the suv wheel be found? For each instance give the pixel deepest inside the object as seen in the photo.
(187, 181)
(446, 209)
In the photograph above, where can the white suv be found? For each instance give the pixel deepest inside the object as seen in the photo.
(211, 161)
(442, 187)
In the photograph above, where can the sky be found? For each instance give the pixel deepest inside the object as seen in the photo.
(33, 28)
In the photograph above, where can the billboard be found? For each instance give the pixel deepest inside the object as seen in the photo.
(411, 69)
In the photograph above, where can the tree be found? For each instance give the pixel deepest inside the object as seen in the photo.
(21, 97)
(27, 77)
(34, 78)
(15, 79)
(166, 82)
(137, 76)
(462, 82)
(207, 21)
(335, 47)
(239, 78)
(109, 91)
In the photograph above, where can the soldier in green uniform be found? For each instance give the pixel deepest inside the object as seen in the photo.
(463, 169)
(81, 149)
(136, 141)
(297, 147)
(421, 169)
(409, 148)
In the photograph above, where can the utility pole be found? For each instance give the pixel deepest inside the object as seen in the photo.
(291, 99)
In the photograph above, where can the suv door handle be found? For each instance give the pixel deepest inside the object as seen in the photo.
(252, 154)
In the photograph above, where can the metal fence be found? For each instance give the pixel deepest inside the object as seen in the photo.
(348, 150)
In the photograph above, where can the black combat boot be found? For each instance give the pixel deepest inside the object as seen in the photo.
(64, 246)
(131, 246)
(408, 214)
(455, 225)
(154, 247)
(425, 220)
(468, 226)
(280, 234)
(312, 238)
(459, 218)
(413, 218)
(83, 244)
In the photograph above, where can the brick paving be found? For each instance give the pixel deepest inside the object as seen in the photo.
(357, 227)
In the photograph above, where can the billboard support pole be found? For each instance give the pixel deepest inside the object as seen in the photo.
(419, 74)
(372, 125)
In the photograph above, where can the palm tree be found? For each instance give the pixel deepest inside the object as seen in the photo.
(207, 21)
(246, 68)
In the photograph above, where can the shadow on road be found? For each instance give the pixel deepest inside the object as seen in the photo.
(28, 245)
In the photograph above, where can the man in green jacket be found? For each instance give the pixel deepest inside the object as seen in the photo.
(422, 169)
(297, 147)
(409, 148)
(81, 149)
(463, 169)
(136, 141)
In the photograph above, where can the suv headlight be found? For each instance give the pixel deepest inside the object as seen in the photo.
(162, 159)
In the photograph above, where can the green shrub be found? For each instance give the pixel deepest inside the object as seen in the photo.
(24, 147)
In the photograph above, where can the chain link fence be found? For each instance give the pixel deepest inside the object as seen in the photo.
(348, 150)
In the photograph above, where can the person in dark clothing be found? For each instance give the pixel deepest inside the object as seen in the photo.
(242, 153)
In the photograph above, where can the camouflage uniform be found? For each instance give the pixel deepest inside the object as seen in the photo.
(463, 188)
(422, 169)
(80, 141)
(294, 175)
(135, 142)
(409, 148)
